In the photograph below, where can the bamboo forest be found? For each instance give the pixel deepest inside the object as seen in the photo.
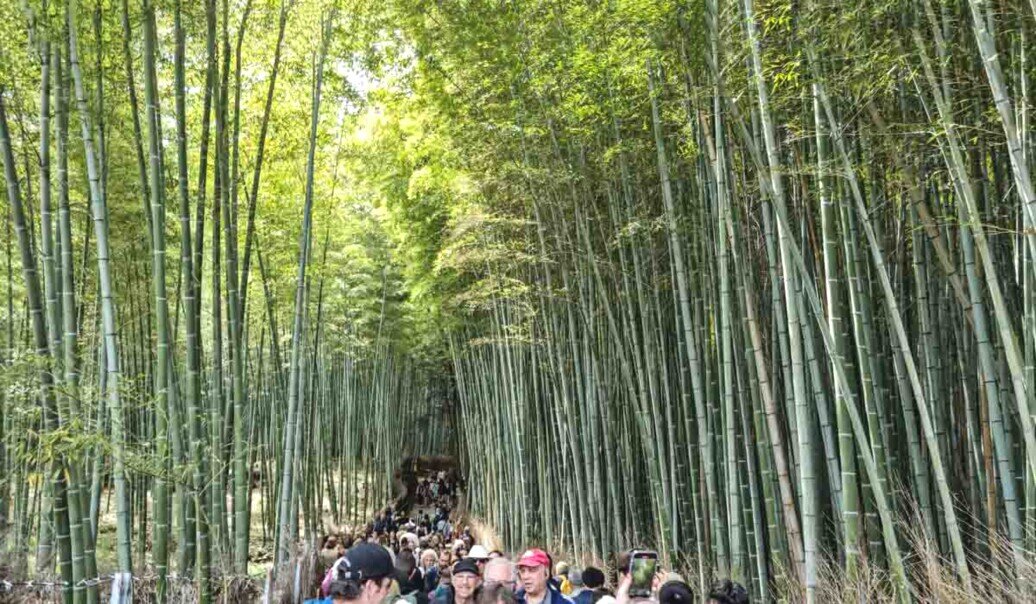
(750, 284)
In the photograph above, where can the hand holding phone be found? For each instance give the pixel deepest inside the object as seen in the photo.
(643, 564)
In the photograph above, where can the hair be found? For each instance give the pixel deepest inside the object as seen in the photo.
(405, 561)
(622, 561)
(496, 594)
(349, 589)
(593, 577)
(728, 592)
(493, 562)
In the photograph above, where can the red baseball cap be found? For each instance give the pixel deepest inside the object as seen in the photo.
(534, 557)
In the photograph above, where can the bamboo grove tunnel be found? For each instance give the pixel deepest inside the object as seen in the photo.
(746, 283)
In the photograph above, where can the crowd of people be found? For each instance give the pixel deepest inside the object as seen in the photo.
(422, 558)
(438, 490)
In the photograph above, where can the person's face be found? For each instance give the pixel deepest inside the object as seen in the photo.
(499, 574)
(464, 585)
(533, 579)
(462, 553)
(427, 560)
(444, 559)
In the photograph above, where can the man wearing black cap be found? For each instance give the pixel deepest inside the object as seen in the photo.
(466, 581)
(362, 576)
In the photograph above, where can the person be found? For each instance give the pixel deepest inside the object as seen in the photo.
(728, 592)
(561, 576)
(429, 570)
(445, 559)
(411, 583)
(534, 574)
(480, 555)
(496, 554)
(660, 579)
(499, 571)
(466, 581)
(593, 578)
(580, 594)
(467, 578)
(497, 594)
(362, 576)
(329, 553)
(675, 591)
(408, 540)
(442, 590)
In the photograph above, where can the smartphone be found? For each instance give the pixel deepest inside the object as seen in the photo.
(643, 565)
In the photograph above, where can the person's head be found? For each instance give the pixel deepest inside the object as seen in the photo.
(445, 559)
(561, 569)
(466, 579)
(446, 576)
(499, 571)
(364, 576)
(593, 577)
(534, 571)
(428, 558)
(575, 577)
(405, 561)
(675, 591)
(495, 594)
(480, 555)
(728, 592)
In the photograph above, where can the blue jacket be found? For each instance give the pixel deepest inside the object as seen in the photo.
(586, 596)
(553, 596)
(431, 579)
(442, 595)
